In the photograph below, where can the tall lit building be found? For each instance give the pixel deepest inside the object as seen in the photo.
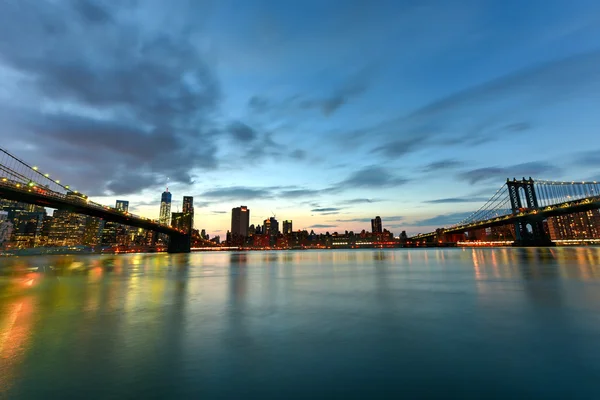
(376, 226)
(188, 204)
(188, 212)
(122, 205)
(271, 227)
(287, 227)
(165, 208)
(240, 219)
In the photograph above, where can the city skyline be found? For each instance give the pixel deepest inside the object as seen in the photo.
(327, 114)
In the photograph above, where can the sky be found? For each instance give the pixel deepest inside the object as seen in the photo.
(326, 113)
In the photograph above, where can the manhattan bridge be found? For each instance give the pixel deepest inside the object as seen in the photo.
(524, 204)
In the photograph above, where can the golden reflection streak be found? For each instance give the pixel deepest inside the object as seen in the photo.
(478, 274)
(14, 335)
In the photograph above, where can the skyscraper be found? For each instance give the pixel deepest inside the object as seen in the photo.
(188, 205)
(240, 218)
(188, 212)
(271, 227)
(122, 205)
(165, 208)
(376, 226)
(287, 227)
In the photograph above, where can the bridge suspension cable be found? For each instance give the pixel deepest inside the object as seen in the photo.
(497, 206)
(550, 193)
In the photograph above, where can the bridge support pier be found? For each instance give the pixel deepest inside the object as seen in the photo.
(537, 237)
(179, 243)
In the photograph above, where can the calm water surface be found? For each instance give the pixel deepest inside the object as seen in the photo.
(447, 323)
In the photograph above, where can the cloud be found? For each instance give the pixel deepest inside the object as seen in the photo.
(361, 201)
(235, 193)
(442, 220)
(297, 193)
(480, 113)
(400, 147)
(242, 132)
(451, 200)
(350, 88)
(327, 209)
(298, 154)
(384, 219)
(122, 104)
(354, 220)
(372, 177)
(518, 127)
(442, 165)
(219, 212)
(322, 226)
(533, 169)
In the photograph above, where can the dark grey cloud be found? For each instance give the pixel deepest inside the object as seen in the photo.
(298, 193)
(372, 177)
(242, 132)
(241, 193)
(128, 101)
(330, 104)
(535, 169)
(298, 154)
(219, 212)
(361, 201)
(92, 11)
(450, 200)
(354, 220)
(442, 220)
(442, 165)
(401, 147)
(322, 226)
(326, 209)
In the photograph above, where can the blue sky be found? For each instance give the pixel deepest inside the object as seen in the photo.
(324, 112)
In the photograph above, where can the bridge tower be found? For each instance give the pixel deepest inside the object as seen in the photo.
(523, 196)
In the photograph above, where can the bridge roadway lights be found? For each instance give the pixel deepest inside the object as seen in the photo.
(179, 243)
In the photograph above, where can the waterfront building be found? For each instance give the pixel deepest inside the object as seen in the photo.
(72, 229)
(376, 226)
(240, 218)
(581, 225)
(287, 227)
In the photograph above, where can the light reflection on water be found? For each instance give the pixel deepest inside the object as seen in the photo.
(498, 322)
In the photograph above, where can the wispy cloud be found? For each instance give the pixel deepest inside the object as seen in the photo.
(450, 200)
(442, 220)
(372, 177)
(535, 169)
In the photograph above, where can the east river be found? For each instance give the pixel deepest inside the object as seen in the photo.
(436, 323)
